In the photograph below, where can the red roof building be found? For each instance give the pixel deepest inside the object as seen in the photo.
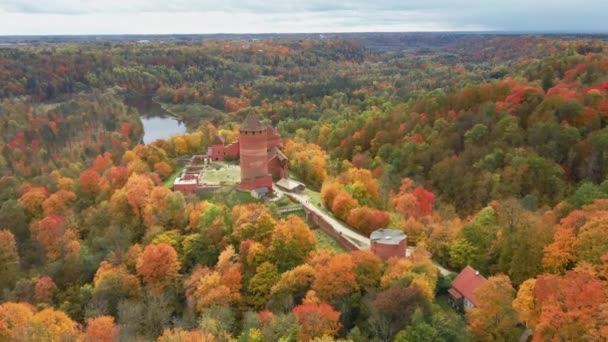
(461, 294)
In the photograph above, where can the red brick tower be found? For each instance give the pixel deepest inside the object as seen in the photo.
(253, 139)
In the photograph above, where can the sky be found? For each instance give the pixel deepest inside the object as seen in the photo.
(53, 17)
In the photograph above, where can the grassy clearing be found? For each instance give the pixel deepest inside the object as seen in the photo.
(328, 242)
(285, 202)
(169, 182)
(222, 174)
(229, 197)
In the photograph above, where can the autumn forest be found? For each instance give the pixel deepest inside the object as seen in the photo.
(488, 151)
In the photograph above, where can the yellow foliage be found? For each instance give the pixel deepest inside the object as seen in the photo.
(179, 335)
(397, 268)
(524, 302)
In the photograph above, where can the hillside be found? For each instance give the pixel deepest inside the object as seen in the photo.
(489, 151)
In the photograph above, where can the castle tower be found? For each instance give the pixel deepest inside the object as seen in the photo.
(253, 139)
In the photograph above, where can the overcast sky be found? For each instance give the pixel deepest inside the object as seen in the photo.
(260, 16)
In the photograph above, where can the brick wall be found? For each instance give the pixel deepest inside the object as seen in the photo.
(329, 229)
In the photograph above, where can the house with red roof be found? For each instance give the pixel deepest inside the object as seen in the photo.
(461, 295)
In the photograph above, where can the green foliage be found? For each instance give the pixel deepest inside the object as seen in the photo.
(506, 136)
(474, 241)
(418, 330)
(260, 285)
(586, 193)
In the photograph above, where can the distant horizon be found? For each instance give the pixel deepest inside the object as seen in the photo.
(170, 17)
(506, 32)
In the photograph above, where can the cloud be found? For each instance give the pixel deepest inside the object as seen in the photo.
(233, 16)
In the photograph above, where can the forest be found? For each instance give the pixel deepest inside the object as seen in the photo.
(487, 150)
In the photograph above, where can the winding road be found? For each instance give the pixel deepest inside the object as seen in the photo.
(357, 239)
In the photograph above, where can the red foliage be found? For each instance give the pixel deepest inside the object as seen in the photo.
(234, 104)
(423, 119)
(573, 73)
(49, 232)
(118, 176)
(568, 305)
(574, 220)
(102, 162)
(265, 316)
(316, 320)
(89, 181)
(567, 91)
(343, 203)
(451, 115)
(377, 172)
(425, 199)
(163, 169)
(359, 134)
(125, 129)
(44, 290)
(158, 266)
(366, 219)
(101, 329)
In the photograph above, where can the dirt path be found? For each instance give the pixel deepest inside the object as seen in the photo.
(357, 239)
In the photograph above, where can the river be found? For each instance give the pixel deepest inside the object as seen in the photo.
(157, 122)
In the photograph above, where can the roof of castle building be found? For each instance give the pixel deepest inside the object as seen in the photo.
(273, 133)
(218, 140)
(387, 236)
(275, 152)
(253, 123)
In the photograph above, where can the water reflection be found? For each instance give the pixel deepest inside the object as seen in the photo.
(158, 123)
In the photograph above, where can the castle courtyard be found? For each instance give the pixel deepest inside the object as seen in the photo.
(221, 173)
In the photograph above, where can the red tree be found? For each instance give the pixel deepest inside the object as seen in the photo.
(316, 320)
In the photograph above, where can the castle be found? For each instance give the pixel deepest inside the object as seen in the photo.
(259, 150)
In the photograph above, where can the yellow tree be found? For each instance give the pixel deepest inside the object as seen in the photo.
(14, 320)
(138, 189)
(32, 199)
(260, 285)
(291, 241)
(494, 319)
(561, 252)
(592, 240)
(51, 325)
(524, 303)
(179, 335)
(368, 269)
(294, 283)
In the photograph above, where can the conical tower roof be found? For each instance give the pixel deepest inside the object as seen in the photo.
(252, 123)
